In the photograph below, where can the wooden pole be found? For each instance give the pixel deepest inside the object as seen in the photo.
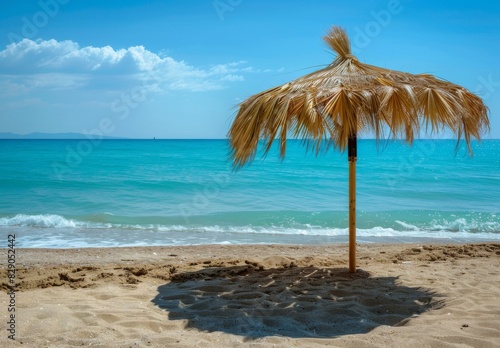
(352, 149)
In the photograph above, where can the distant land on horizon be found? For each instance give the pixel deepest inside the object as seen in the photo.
(78, 136)
(37, 135)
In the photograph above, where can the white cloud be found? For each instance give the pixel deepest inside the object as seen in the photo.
(11, 88)
(32, 102)
(232, 78)
(55, 64)
(56, 81)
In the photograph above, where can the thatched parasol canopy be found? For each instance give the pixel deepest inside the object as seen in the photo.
(334, 104)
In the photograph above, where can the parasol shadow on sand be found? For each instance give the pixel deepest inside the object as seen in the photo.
(332, 106)
(295, 302)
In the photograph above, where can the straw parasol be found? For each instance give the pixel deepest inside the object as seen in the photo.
(333, 105)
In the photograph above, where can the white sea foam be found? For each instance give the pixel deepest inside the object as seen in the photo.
(56, 231)
(441, 225)
(49, 220)
(464, 225)
(407, 226)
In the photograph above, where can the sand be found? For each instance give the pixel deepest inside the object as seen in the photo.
(255, 296)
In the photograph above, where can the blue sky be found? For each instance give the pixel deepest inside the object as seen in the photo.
(177, 69)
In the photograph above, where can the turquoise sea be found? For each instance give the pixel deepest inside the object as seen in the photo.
(94, 193)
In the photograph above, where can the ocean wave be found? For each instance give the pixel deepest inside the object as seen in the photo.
(48, 220)
(55, 231)
(471, 225)
(464, 225)
(407, 226)
(437, 227)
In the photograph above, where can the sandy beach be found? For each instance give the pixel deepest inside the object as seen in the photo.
(256, 296)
